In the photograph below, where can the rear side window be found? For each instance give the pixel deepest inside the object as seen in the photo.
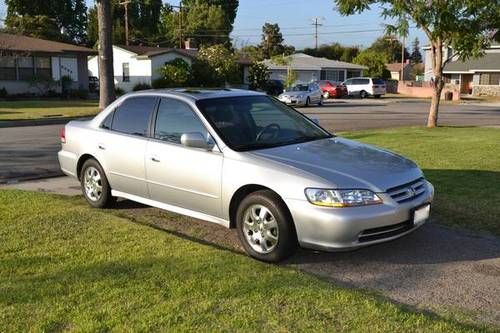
(108, 121)
(378, 81)
(132, 116)
(364, 81)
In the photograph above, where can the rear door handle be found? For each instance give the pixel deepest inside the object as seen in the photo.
(155, 159)
(101, 147)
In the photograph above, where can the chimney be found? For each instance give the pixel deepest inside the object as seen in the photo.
(189, 44)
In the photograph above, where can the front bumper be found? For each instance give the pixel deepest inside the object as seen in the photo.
(336, 229)
(293, 101)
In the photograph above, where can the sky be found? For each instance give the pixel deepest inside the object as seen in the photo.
(295, 18)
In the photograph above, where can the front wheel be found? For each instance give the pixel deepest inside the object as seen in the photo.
(308, 101)
(95, 186)
(320, 103)
(363, 94)
(265, 227)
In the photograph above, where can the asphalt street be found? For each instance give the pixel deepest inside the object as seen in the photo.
(31, 151)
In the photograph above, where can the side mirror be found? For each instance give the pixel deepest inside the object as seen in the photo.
(196, 140)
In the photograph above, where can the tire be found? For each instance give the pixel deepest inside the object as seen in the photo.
(308, 101)
(377, 96)
(326, 95)
(363, 94)
(265, 227)
(320, 103)
(95, 185)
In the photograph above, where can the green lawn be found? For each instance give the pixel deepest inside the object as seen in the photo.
(67, 267)
(41, 109)
(462, 163)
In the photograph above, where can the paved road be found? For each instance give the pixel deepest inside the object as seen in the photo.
(31, 151)
(434, 268)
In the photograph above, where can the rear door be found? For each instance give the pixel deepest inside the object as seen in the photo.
(122, 144)
(178, 175)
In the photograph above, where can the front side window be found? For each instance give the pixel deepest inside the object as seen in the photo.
(257, 122)
(175, 118)
(126, 72)
(133, 116)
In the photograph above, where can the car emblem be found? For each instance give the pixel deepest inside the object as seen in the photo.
(411, 192)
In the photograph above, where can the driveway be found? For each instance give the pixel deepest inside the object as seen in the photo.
(434, 269)
(30, 152)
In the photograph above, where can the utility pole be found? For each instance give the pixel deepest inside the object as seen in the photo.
(180, 24)
(125, 4)
(316, 25)
(402, 58)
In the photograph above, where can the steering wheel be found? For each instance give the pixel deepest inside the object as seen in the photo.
(274, 127)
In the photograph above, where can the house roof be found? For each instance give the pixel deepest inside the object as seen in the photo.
(301, 61)
(395, 66)
(151, 51)
(21, 43)
(490, 61)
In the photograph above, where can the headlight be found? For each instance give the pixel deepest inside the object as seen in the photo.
(300, 96)
(341, 198)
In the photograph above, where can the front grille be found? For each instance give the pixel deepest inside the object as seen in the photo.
(372, 234)
(408, 191)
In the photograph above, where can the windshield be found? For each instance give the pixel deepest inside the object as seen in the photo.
(257, 122)
(298, 87)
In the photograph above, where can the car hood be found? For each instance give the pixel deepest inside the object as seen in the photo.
(346, 164)
(294, 93)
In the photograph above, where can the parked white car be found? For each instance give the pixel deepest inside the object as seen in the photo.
(302, 94)
(365, 86)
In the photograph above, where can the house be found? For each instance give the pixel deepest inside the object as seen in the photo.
(309, 68)
(140, 64)
(475, 76)
(23, 58)
(395, 70)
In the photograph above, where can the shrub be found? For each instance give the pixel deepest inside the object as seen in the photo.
(141, 86)
(175, 73)
(160, 83)
(3, 92)
(215, 66)
(258, 75)
(119, 91)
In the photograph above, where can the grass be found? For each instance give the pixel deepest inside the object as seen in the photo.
(67, 267)
(40, 109)
(462, 163)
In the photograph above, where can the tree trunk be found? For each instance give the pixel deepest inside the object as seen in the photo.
(437, 69)
(106, 74)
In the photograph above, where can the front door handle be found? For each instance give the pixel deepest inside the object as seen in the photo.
(101, 147)
(155, 159)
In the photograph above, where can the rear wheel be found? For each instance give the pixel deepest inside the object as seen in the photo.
(265, 227)
(363, 94)
(95, 186)
(377, 96)
(320, 103)
(308, 101)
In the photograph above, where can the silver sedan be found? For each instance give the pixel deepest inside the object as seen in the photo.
(302, 95)
(246, 161)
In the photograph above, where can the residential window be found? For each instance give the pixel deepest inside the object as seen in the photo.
(489, 79)
(43, 67)
(334, 76)
(7, 68)
(125, 72)
(25, 68)
(353, 74)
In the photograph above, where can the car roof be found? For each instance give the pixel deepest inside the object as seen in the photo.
(196, 94)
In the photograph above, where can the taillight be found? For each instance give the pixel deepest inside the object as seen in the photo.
(62, 135)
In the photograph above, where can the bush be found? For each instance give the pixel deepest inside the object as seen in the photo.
(160, 83)
(258, 75)
(3, 93)
(119, 91)
(175, 73)
(141, 86)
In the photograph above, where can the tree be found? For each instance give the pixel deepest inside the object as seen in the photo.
(468, 26)
(375, 62)
(416, 56)
(272, 42)
(215, 66)
(69, 16)
(229, 8)
(391, 47)
(38, 26)
(258, 76)
(175, 73)
(334, 51)
(291, 75)
(105, 48)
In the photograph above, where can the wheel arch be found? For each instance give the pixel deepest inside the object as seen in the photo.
(244, 191)
(83, 158)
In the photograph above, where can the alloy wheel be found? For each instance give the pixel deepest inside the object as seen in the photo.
(93, 183)
(260, 229)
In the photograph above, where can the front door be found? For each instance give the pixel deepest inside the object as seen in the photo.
(178, 175)
(466, 84)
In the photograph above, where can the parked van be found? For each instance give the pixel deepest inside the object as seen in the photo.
(365, 86)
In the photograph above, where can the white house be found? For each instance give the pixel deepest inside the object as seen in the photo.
(139, 64)
(309, 68)
(476, 76)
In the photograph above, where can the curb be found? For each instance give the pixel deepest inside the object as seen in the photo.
(39, 122)
(15, 180)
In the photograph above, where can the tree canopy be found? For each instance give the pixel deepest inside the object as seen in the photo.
(375, 61)
(391, 47)
(416, 56)
(64, 20)
(272, 43)
(334, 51)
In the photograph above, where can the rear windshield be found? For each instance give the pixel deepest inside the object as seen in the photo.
(378, 81)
